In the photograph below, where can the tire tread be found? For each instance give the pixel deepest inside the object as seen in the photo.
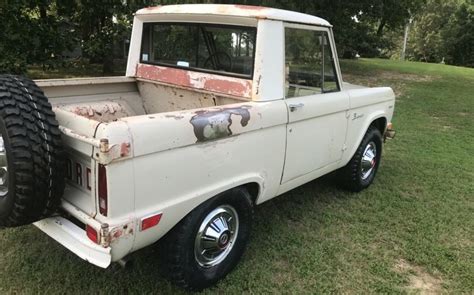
(37, 151)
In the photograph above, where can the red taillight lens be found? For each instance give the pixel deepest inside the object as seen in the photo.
(150, 221)
(92, 234)
(102, 176)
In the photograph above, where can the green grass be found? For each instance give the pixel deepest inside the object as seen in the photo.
(412, 231)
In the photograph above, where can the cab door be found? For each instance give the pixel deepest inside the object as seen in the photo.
(317, 108)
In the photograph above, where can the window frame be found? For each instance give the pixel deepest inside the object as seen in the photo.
(201, 70)
(334, 57)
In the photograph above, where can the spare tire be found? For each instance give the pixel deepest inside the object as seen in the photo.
(31, 153)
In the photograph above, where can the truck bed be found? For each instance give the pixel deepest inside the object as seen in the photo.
(85, 107)
(108, 99)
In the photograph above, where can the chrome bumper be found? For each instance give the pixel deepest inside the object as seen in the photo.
(389, 133)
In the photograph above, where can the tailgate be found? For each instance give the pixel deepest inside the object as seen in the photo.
(79, 182)
(79, 148)
(87, 110)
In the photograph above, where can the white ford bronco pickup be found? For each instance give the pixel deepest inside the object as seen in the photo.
(222, 108)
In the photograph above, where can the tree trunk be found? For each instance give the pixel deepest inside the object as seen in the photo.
(382, 24)
(108, 63)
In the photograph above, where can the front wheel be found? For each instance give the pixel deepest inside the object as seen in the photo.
(360, 172)
(208, 243)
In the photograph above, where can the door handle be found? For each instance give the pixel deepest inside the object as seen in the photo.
(295, 106)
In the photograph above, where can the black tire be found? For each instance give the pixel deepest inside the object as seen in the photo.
(351, 176)
(182, 266)
(33, 148)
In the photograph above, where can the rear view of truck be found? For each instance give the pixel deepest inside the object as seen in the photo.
(90, 143)
(39, 165)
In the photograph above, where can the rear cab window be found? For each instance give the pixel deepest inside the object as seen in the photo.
(310, 67)
(223, 49)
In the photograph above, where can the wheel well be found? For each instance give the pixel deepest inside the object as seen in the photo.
(380, 124)
(254, 189)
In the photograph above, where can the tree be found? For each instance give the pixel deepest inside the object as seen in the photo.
(459, 37)
(443, 32)
(31, 31)
(427, 34)
(104, 23)
(40, 31)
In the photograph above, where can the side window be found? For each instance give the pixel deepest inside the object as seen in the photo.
(309, 63)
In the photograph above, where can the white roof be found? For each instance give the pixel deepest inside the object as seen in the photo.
(236, 10)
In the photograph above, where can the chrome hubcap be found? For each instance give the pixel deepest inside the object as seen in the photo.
(369, 160)
(3, 169)
(216, 236)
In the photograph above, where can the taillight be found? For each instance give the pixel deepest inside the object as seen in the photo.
(92, 234)
(102, 189)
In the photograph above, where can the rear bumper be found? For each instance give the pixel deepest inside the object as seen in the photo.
(75, 239)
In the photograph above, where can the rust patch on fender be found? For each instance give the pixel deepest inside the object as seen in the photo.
(120, 231)
(124, 149)
(215, 124)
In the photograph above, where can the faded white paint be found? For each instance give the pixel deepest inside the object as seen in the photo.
(244, 11)
(162, 156)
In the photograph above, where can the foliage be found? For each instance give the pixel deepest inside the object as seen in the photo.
(102, 25)
(459, 37)
(429, 30)
(32, 31)
(42, 31)
(443, 32)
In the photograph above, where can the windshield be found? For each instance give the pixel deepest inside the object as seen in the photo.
(203, 47)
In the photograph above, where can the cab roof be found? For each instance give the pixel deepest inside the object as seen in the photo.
(247, 11)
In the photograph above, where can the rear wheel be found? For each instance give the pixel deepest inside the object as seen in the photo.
(31, 154)
(208, 243)
(360, 172)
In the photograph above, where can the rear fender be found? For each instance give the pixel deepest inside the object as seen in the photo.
(177, 209)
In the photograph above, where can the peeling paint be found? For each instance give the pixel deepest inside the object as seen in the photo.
(258, 85)
(248, 11)
(176, 117)
(215, 124)
(104, 111)
(218, 8)
(153, 8)
(250, 7)
(124, 149)
(120, 231)
(191, 79)
(117, 151)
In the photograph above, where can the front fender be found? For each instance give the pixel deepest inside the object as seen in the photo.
(360, 134)
(358, 126)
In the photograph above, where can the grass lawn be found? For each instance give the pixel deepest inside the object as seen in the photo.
(411, 232)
